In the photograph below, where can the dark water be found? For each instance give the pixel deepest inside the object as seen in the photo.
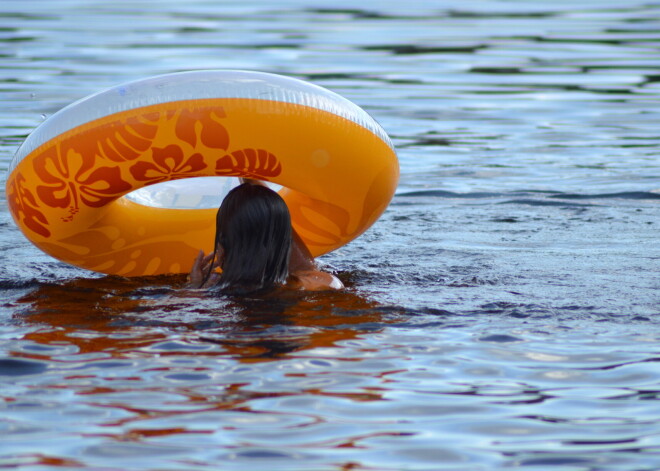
(502, 314)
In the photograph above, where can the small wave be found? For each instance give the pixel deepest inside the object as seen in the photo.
(21, 367)
(19, 284)
(413, 49)
(533, 197)
(540, 202)
(355, 13)
(451, 194)
(628, 195)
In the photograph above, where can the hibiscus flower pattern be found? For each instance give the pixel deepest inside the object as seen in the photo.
(23, 205)
(70, 178)
(168, 163)
(92, 166)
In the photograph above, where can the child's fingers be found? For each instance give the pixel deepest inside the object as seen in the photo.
(207, 260)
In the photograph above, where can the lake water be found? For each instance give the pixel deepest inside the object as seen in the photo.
(502, 314)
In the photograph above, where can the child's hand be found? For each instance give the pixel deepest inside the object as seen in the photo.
(199, 269)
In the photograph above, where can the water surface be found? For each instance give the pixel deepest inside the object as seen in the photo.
(502, 314)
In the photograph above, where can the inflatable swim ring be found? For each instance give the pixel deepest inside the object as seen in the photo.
(68, 182)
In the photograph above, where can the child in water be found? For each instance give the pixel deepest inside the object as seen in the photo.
(256, 248)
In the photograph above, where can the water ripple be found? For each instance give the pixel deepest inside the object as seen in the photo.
(501, 314)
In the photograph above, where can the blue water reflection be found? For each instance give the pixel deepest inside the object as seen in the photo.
(502, 314)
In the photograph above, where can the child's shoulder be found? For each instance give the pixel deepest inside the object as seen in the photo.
(314, 280)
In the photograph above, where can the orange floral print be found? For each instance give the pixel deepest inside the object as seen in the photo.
(307, 211)
(70, 178)
(122, 140)
(168, 163)
(23, 205)
(257, 163)
(202, 125)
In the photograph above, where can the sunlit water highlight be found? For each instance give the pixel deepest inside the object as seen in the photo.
(502, 314)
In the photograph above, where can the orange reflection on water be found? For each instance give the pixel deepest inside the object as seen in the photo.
(116, 316)
(165, 362)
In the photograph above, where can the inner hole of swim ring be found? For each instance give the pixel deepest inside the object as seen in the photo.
(188, 193)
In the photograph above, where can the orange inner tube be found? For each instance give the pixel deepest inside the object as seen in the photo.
(68, 194)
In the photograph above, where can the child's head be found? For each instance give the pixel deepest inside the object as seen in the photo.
(253, 239)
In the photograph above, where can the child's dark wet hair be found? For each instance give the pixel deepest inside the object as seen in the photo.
(253, 231)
